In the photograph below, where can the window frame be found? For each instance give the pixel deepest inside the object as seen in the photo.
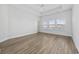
(54, 24)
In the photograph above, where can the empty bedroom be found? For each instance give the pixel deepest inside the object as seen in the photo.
(39, 28)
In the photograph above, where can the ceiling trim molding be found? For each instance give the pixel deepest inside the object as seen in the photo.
(49, 11)
(58, 12)
(36, 14)
(53, 9)
(32, 8)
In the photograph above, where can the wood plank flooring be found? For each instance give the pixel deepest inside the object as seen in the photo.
(39, 43)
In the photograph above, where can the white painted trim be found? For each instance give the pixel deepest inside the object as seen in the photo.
(15, 36)
(36, 13)
(57, 34)
(2, 40)
(75, 44)
(59, 7)
(58, 11)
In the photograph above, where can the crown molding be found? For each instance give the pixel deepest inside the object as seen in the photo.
(37, 12)
(33, 12)
(60, 11)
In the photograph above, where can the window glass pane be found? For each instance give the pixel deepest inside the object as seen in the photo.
(51, 21)
(60, 21)
(44, 24)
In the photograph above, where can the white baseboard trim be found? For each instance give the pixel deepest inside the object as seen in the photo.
(57, 34)
(10, 37)
(15, 36)
(3, 40)
(76, 45)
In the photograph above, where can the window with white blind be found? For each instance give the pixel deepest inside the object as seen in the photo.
(60, 23)
(53, 23)
(44, 24)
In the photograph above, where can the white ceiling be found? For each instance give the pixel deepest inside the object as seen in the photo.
(46, 8)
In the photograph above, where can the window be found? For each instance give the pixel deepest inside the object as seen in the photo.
(51, 23)
(44, 24)
(58, 23)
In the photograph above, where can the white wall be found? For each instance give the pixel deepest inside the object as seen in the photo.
(21, 22)
(75, 23)
(66, 15)
(17, 22)
(3, 22)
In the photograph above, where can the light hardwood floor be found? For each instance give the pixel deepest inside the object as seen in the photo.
(39, 43)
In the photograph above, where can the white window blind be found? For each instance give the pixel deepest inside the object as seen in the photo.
(60, 21)
(53, 23)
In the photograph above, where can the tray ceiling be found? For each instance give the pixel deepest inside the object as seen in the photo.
(45, 8)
